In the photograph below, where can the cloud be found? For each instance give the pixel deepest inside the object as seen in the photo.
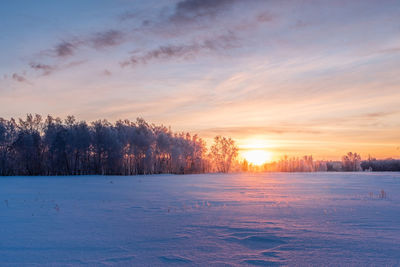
(166, 52)
(357, 120)
(188, 38)
(64, 49)
(98, 40)
(254, 130)
(107, 39)
(183, 13)
(391, 50)
(19, 78)
(44, 68)
(189, 10)
(378, 114)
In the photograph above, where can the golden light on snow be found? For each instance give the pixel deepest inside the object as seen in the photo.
(257, 157)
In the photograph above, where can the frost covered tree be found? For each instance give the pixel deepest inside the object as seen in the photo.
(223, 153)
(68, 147)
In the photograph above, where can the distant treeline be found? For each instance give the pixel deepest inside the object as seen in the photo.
(381, 165)
(351, 162)
(51, 146)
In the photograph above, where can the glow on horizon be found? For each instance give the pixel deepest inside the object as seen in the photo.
(257, 157)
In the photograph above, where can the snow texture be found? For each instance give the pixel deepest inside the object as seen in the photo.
(202, 220)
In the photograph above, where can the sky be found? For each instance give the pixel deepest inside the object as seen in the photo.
(290, 77)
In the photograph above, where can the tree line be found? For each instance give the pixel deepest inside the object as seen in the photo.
(52, 146)
(351, 162)
(373, 164)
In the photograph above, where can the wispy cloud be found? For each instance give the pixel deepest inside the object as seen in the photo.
(166, 52)
(107, 39)
(64, 49)
(184, 19)
(44, 68)
(98, 40)
(257, 130)
(192, 10)
(19, 78)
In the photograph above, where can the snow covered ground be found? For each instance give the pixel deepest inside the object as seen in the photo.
(232, 219)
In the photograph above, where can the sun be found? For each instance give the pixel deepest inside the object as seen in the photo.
(257, 157)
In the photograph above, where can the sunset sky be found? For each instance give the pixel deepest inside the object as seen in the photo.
(290, 77)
